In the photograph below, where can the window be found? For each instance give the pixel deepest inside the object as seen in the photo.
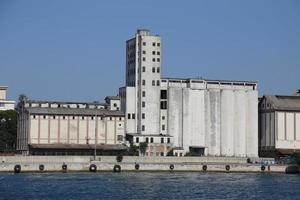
(158, 53)
(144, 43)
(163, 105)
(53, 117)
(144, 69)
(143, 129)
(110, 118)
(144, 52)
(144, 94)
(133, 116)
(161, 153)
(153, 44)
(44, 116)
(128, 116)
(82, 117)
(120, 118)
(137, 140)
(169, 140)
(115, 105)
(153, 83)
(151, 140)
(153, 59)
(143, 82)
(163, 94)
(153, 52)
(33, 116)
(162, 140)
(73, 117)
(158, 70)
(144, 58)
(157, 83)
(158, 44)
(143, 104)
(92, 118)
(143, 115)
(153, 69)
(120, 137)
(158, 59)
(120, 124)
(163, 117)
(163, 127)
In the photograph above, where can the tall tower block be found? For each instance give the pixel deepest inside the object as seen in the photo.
(143, 67)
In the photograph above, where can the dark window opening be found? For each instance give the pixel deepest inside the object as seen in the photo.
(163, 105)
(163, 94)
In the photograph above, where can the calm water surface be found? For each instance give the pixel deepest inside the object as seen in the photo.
(144, 186)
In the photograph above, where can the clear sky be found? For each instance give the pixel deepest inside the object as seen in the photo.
(75, 50)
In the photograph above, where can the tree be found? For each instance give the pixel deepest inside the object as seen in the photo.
(143, 146)
(8, 131)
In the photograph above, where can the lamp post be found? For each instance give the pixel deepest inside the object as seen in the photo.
(95, 150)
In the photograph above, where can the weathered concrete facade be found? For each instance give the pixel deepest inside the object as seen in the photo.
(209, 117)
(69, 125)
(279, 124)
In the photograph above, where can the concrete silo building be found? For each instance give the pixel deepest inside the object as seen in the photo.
(196, 116)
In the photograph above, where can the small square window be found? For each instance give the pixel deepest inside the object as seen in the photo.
(144, 69)
(144, 52)
(144, 43)
(137, 140)
(143, 129)
(143, 82)
(158, 44)
(153, 52)
(153, 44)
(144, 58)
(120, 118)
(163, 117)
(143, 94)
(169, 140)
(163, 127)
(151, 140)
(73, 117)
(53, 117)
(153, 59)
(128, 116)
(143, 115)
(157, 83)
(158, 53)
(34, 116)
(153, 83)
(82, 117)
(162, 140)
(110, 118)
(158, 59)
(44, 116)
(158, 70)
(143, 104)
(64, 117)
(92, 118)
(133, 116)
(153, 69)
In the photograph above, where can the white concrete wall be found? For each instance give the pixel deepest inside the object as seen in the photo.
(227, 122)
(76, 131)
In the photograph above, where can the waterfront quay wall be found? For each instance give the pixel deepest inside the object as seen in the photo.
(133, 163)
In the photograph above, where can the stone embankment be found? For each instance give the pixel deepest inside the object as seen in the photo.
(131, 163)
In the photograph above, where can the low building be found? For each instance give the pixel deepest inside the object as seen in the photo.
(279, 124)
(69, 128)
(4, 103)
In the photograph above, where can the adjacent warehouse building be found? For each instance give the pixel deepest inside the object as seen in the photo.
(70, 128)
(198, 116)
(279, 124)
(4, 103)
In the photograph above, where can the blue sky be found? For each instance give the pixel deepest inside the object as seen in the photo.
(75, 50)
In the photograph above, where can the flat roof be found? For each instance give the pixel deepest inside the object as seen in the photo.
(208, 80)
(74, 111)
